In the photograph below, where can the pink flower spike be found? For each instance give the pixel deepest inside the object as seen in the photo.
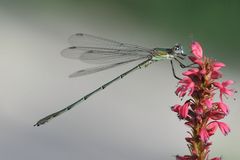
(197, 50)
(201, 112)
(224, 128)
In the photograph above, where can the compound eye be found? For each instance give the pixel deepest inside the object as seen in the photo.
(177, 48)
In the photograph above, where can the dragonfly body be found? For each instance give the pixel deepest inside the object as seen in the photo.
(97, 50)
(161, 54)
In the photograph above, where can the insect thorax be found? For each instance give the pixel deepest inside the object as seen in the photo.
(160, 54)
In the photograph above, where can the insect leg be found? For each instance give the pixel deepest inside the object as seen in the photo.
(173, 71)
(183, 65)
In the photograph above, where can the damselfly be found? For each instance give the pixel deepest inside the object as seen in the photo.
(109, 53)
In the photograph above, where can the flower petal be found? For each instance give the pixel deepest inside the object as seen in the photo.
(212, 127)
(217, 115)
(176, 107)
(203, 71)
(218, 64)
(218, 85)
(208, 103)
(184, 110)
(204, 136)
(224, 128)
(216, 75)
(197, 50)
(223, 107)
(195, 60)
(191, 71)
(186, 85)
(227, 83)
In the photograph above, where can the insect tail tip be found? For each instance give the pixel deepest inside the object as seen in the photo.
(36, 125)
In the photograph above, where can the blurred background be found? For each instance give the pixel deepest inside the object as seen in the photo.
(131, 120)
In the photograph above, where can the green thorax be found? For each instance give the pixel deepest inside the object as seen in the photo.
(161, 53)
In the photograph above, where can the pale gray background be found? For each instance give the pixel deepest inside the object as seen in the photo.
(130, 120)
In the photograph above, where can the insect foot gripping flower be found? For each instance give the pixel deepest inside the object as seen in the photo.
(201, 112)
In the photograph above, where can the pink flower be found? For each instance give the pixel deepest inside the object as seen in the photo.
(192, 71)
(203, 71)
(199, 111)
(208, 102)
(190, 124)
(181, 110)
(223, 88)
(186, 85)
(195, 60)
(211, 128)
(216, 74)
(217, 115)
(224, 128)
(197, 50)
(218, 65)
(222, 106)
(204, 136)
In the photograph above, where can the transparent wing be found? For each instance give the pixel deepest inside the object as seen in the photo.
(96, 55)
(82, 39)
(100, 68)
